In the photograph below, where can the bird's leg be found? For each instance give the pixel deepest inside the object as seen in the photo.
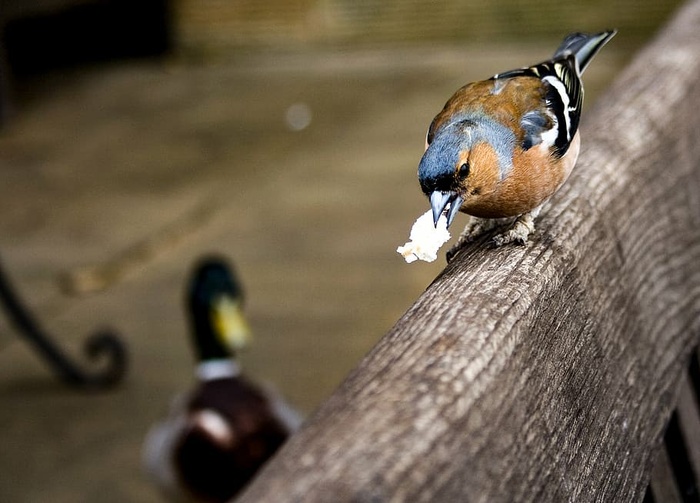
(520, 230)
(517, 232)
(475, 228)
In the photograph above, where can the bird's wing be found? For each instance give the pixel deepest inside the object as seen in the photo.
(563, 100)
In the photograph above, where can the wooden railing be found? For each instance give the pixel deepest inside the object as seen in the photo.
(676, 472)
(546, 372)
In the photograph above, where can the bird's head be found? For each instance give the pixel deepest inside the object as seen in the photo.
(460, 165)
(445, 168)
(215, 308)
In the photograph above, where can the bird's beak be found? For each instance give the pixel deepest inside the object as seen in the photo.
(229, 323)
(439, 201)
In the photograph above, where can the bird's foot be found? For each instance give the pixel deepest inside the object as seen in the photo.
(519, 231)
(475, 228)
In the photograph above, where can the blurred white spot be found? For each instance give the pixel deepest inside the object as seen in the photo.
(298, 116)
(213, 424)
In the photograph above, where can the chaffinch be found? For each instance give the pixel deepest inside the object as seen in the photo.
(500, 147)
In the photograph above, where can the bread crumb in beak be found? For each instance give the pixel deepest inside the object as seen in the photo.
(425, 239)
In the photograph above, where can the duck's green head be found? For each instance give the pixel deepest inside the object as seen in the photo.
(215, 302)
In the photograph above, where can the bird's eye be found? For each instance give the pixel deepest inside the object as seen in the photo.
(464, 170)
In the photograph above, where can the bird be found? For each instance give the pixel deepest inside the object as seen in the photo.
(501, 147)
(218, 434)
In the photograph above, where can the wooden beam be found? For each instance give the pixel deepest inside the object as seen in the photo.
(545, 372)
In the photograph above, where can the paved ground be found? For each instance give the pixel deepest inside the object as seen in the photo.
(176, 160)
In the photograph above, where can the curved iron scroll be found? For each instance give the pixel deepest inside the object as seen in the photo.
(103, 344)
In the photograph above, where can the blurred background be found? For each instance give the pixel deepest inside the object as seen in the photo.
(284, 134)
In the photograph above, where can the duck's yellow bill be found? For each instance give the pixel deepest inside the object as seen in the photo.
(230, 324)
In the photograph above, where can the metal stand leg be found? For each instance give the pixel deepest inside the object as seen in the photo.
(103, 344)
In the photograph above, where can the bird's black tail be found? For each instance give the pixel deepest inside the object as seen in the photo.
(583, 46)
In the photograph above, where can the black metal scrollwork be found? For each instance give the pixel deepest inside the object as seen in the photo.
(103, 344)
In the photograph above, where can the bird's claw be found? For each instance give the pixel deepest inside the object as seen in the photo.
(475, 228)
(517, 233)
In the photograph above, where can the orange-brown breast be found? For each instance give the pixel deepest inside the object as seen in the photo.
(534, 177)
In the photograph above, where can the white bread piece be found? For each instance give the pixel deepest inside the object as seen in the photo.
(425, 239)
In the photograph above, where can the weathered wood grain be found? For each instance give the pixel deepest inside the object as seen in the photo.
(663, 484)
(545, 372)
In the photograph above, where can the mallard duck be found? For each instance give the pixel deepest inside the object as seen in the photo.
(219, 434)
